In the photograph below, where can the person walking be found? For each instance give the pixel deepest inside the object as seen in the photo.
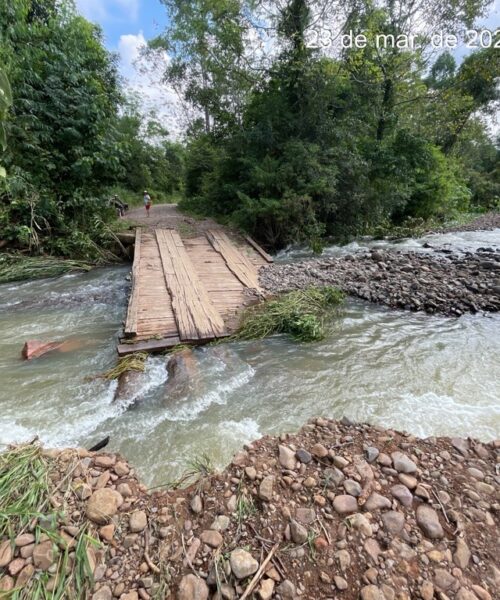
(147, 202)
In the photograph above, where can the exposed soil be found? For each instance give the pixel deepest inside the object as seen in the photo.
(339, 510)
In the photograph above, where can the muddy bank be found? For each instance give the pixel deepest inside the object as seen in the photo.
(338, 510)
(435, 283)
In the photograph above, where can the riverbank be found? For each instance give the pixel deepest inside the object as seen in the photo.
(337, 510)
(437, 282)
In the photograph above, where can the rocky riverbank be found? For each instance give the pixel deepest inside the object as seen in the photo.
(487, 222)
(338, 510)
(434, 282)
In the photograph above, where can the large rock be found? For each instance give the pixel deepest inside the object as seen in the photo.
(36, 348)
(377, 502)
(462, 554)
(287, 457)
(394, 521)
(298, 532)
(266, 488)
(182, 372)
(402, 463)
(428, 521)
(6, 553)
(102, 505)
(243, 564)
(192, 588)
(43, 555)
(345, 504)
(138, 521)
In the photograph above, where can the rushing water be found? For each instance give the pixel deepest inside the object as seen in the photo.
(424, 374)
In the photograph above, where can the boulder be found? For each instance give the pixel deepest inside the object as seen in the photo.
(243, 564)
(102, 505)
(428, 521)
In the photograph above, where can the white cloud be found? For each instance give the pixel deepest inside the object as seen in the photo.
(144, 79)
(109, 10)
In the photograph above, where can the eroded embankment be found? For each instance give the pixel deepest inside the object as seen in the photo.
(337, 510)
(435, 283)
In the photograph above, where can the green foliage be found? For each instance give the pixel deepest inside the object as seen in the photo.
(339, 146)
(303, 314)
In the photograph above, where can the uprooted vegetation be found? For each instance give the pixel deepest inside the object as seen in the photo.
(306, 315)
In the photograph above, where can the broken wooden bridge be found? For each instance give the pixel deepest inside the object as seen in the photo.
(188, 291)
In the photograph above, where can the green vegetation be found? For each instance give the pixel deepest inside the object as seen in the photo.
(26, 490)
(295, 145)
(304, 314)
(71, 139)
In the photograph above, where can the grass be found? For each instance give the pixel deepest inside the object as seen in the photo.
(26, 489)
(131, 362)
(17, 267)
(302, 314)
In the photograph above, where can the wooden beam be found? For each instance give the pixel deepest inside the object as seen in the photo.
(236, 261)
(153, 345)
(133, 306)
(267, 257)
(196, 316)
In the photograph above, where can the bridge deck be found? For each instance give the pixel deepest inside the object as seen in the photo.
(188, 290)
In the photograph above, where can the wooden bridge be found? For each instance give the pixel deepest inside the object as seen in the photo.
(188, 290)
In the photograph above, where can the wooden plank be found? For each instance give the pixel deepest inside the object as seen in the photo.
(196, 316)
(133, 305)
(148, 346)
(236, 261)
(267, 257)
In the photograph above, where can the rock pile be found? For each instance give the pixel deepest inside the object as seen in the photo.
(339, 510)
(449, 285)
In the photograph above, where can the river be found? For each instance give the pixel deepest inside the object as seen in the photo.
(425, 374)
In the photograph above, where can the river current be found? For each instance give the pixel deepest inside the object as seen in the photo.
(429, 375)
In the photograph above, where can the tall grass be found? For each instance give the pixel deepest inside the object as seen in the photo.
(303, 314)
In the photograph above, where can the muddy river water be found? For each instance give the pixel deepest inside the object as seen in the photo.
(424, 374)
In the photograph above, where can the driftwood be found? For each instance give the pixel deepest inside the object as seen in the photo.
(100, 445)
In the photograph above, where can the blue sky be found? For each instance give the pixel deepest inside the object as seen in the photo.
(124, 17)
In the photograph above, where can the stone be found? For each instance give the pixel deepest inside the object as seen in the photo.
(298, 532)
(481, 593)
(376, 502)
(408, 480)
(340, 583)
(138, 521)
(461, 445)
(43, 555)
(24, 540)
(371, 454)
(266, 488)
(124, 490)
(286, 457)
(25, 575)
(393, 521)
(333, 477)
(402, 494)
(103, 593)
(196, 504)
(121, 469)
(266, 589)
(475, 473)
(286, 590)
(107, 532)
(6, 553)
(16, 566)
(371, 592)
(319, 451)
(220, 523)
(211, 538)
(428, 521)
(6, 584)
(306, 516)
(402, 463)
(345, 504)
(192, 588)
(443, 580)
(251, 473)
(352, 487)
(102, 505)
(344, 559)
(373, 550)
(427, 590)
(465, 594)
(243, 564)
(361, 523)
(462, 554)
(105, 462)
(304, 456)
